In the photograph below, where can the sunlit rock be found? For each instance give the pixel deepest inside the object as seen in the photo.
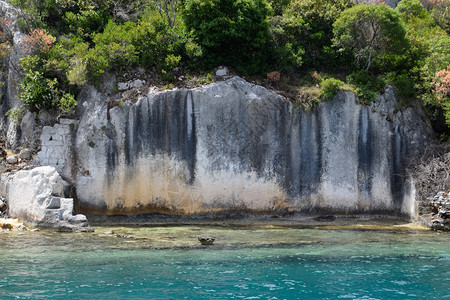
(233, 146)
(37, 196)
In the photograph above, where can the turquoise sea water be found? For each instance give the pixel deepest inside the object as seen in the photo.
(244, 263)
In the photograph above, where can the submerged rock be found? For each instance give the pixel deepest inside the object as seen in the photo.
(206, 240)
(328, 218)
(10, 224)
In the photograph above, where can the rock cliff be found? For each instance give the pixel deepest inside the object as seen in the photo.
(234, 146)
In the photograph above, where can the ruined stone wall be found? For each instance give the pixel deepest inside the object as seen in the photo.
(57, 146)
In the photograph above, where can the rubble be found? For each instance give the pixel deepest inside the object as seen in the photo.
(440, 206)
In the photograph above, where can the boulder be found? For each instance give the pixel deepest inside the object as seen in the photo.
(122, 86)
(25, 154)
(12, 159)
(137, 83)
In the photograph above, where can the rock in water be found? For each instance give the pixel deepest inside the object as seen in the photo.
(206, 240)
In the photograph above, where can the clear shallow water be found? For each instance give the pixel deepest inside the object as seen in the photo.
(244, 263)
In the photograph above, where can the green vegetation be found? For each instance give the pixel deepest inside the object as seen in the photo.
(234, 33)
(315, 47)
(373, 33)
(330, 87)
(303, 34)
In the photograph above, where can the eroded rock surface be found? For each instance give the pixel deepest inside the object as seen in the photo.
(234, 146)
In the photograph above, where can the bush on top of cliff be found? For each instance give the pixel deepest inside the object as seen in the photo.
(303, 34)
(234, 33)
(39, 89)
(374, 33)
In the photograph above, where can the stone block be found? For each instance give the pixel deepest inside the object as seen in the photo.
(57, 138)
(51, 216)
(64, 121)
(36, 196)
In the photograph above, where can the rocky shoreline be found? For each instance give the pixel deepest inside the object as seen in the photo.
(63, 221)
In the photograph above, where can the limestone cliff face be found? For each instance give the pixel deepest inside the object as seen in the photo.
(234, 146)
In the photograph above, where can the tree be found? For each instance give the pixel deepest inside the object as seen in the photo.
(305, 30)
(370, 31)
(412, 8)
(231, 32)
(441, 14)
(168, 10)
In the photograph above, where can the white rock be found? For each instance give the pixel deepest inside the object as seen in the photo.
(78, 219)
(37, 196)
(122, 86)
(137, 83)
(12, 159)
(64, 121)
(222, 71)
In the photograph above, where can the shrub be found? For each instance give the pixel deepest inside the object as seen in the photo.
(405, 85)
(115, 43)
(6, 41)
(366, 85)
(67, 103)
(38, 92)
(441, 14)
(441, 90)
(16, 114)
(86, 22)
(330, 87)
(37, 41)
